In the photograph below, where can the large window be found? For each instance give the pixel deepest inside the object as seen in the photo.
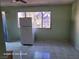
(39, 19)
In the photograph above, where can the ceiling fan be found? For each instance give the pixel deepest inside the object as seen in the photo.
(23, 1)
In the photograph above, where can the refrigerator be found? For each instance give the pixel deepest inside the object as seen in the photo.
(27, 34)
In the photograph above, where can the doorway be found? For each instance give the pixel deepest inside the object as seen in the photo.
(5, 31)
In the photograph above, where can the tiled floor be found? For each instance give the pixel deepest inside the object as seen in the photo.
(42, 51)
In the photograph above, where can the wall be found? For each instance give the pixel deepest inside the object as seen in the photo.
(76, 18)
(2, 44)
(73, 23)
(60, 17)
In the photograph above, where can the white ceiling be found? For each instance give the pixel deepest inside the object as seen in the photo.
(34, 2)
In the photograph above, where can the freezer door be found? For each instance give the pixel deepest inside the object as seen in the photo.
(27, 37)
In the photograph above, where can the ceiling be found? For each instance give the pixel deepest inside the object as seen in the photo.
(34, 2)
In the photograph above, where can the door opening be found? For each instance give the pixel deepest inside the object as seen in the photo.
(5, 31)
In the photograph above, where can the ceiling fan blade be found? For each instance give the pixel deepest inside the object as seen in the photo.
(23, 1)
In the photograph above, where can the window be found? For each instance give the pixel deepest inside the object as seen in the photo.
(20, 15)
(39, 19)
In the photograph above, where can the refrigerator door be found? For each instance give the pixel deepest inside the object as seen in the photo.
(27, 36)
(26, 22)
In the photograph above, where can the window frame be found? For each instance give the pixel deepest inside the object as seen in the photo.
(42, 21)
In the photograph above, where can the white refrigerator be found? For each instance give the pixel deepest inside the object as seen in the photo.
(27, 34)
